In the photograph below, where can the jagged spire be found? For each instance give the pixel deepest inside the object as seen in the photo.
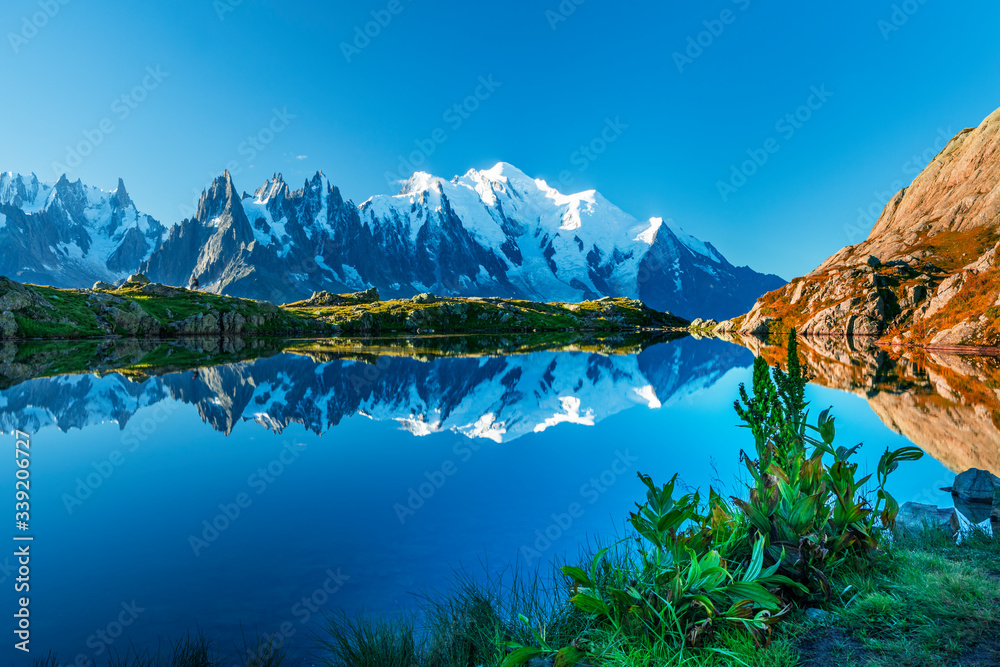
(121, 195)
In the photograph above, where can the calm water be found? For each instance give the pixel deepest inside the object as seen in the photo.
(352, 484)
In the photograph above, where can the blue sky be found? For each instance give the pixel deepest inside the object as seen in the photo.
(267, 87)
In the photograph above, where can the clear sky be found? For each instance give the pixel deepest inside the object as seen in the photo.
(651, 103)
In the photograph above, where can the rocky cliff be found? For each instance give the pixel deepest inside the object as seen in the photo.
(927, 274)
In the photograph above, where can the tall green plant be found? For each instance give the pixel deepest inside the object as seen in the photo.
(806, 501)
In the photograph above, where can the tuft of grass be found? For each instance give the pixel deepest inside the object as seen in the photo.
(372, 641)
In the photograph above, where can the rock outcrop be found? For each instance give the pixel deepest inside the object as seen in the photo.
(927, 274)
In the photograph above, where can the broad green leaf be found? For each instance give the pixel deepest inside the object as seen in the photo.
(521, 655)
(578, 575)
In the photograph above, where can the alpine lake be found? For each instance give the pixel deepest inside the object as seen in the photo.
(248, 487)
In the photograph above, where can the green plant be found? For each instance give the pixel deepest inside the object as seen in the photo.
(805, 500)
(685, 585)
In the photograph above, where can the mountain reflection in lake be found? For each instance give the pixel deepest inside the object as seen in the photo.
(263, 492)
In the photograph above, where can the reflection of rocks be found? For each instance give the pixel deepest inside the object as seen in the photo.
(946, 404)
(24, 361)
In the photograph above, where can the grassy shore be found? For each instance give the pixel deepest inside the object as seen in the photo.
(157, 311)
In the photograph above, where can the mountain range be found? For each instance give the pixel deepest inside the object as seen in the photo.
(496, 232)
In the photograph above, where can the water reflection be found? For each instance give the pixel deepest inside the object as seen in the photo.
(135, 454)
(945, 403)
(497, 397)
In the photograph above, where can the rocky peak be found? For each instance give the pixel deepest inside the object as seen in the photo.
(121, 198)
(274, 189)
(221, 197)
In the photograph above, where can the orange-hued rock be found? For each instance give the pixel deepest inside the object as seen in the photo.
(928, 272)
(946, 404)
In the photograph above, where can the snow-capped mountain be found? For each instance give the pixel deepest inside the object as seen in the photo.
(71, 235)
(496, 398)
(488, 233)
(496, 232)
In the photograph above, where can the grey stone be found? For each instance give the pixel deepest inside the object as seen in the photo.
(101, 285)
(873, 261)
(425, 297)
(137, 279)
(917, 516)
(976, 486)
(161, 290)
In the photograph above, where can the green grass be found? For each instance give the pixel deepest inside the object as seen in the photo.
(71, 317)
(928, 602)
(87, 314)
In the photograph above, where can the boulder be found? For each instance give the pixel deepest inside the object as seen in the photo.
(322, 298)
(697, 323)
(915, 517)
(8, 325)
(232, 323)
(137, 279)
(873, 261)
(202, 324)
(425, 297)
(161, 290)
(133, 321)
(976, 486)
(101, 285)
